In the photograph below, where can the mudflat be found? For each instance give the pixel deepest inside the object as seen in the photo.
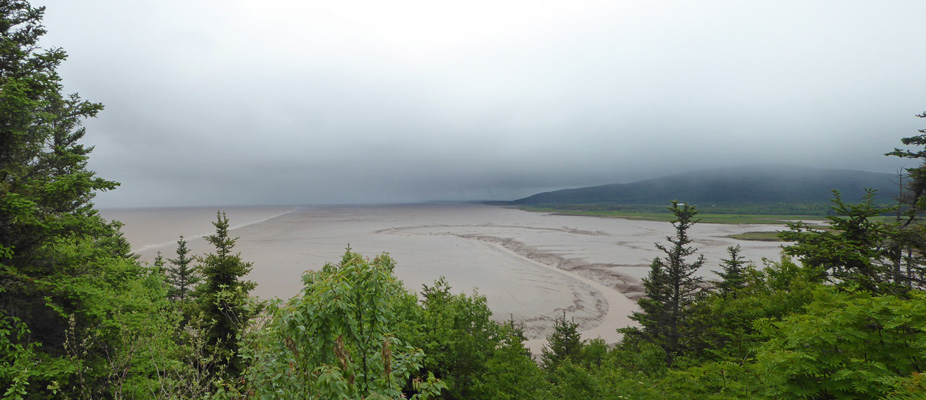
(532, 267)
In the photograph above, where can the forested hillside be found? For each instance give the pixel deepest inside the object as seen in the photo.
(842, 314)
(766, 185)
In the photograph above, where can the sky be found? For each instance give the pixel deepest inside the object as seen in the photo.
(242, 102)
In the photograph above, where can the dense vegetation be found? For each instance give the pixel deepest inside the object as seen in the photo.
(759, 213)
(757, 190)
(841, 315)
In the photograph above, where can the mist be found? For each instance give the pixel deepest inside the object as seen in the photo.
(284, 102)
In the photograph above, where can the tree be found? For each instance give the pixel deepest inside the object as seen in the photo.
(571, 381)
(45, 188)
(223, 295)
(336, 340)
(158, 263)
(671, 289)
(908, 238)
(66, 274)
(565, 342)
(458, 336)
(511, 373)
(854, 251)
(916, 187)
(733, 276)
(778, 289)
(845, 345)
(182, 276)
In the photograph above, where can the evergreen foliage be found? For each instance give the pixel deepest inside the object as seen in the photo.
(182, 275)
(853, 251)
(510, 372)
(68, 284)
(671, 289)
(565, 342)
(80, 317)
(733, 276)
(458, 335)
(764, 190)
(917, 186)
(223, 295)
(158, 263)
(907, 245)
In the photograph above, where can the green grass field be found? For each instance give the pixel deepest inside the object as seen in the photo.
(757, 236)
(704, 218)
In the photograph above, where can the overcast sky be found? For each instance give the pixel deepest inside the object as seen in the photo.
(307, 102)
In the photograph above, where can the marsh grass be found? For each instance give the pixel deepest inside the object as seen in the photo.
(757, 236)
(660, 216)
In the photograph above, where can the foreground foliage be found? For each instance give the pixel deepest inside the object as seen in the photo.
(336, 340)
(80, 317)
(672, 288)
(71, 295)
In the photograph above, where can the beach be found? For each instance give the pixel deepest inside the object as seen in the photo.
(532, 267)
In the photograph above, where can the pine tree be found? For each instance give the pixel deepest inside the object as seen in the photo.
(182, 276)
(671, 288)
(916, 188)
(652, 316)
(908, 238)
(70, 292)
(733, 276)
(45, 187)
(565, 342)
(852, 252)
(223, 295)
(158, 263)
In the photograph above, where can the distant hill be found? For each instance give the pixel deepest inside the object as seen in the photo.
(731, 186)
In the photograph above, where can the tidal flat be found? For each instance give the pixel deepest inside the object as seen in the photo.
(531, 267)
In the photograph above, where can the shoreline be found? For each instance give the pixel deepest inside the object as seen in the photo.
(529, 266)
(231, 228)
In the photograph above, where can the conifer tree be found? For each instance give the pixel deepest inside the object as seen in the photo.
(652, 316)
(916, 188)
(852, 252)
(671, 288)
(733, 275)
(158, 263)
(70, 292)
(223, 295)
(182, 276)
(564, 342)
(908, 238)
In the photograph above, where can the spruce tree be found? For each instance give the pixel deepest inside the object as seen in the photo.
(854, 252)
(70, 291)
(223, 295)
(182, 276)
(733, 275)
(907, 243)
(671, 288)
(158, 264)
(563, 343)
(652, 316)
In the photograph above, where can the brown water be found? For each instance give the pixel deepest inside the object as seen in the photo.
(530, 266)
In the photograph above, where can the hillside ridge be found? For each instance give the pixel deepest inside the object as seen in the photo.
(747, 185)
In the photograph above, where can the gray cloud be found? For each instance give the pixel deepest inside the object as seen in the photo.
(287, 102)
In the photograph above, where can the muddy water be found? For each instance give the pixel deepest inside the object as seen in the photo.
(530, 266)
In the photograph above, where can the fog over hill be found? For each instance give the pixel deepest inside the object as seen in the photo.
(357, 101)
(755, 184)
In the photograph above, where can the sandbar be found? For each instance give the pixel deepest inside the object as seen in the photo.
(532, 267)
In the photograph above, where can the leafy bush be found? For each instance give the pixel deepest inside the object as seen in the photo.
(335, 340)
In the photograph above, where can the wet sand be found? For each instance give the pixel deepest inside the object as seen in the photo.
(530, 266)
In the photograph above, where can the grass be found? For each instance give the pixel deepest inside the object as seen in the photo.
(757, 236)
(664, 216)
